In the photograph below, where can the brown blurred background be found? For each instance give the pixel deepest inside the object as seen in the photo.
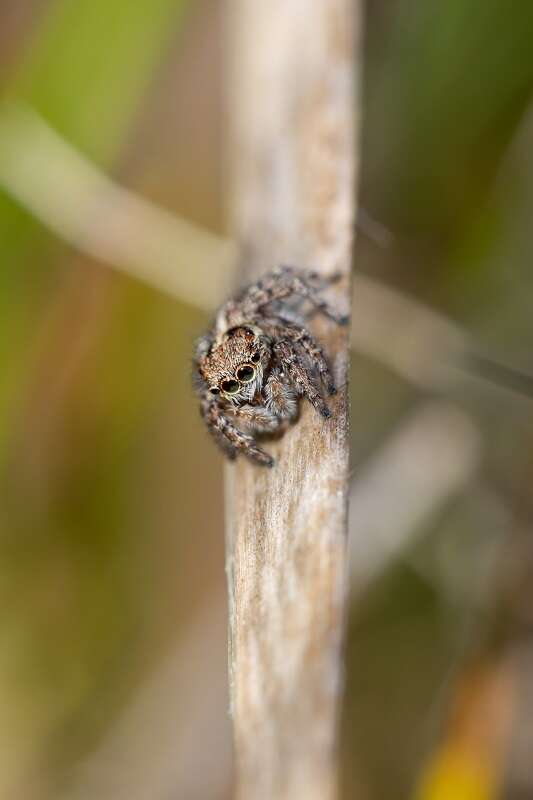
(112, 586)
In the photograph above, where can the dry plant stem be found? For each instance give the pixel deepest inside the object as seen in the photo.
(292, 146)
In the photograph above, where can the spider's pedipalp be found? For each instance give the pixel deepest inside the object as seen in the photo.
(281, 399)
(257, 418)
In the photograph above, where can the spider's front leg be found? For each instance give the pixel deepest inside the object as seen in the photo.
(301, 336)
(220, 426)
(299, 376)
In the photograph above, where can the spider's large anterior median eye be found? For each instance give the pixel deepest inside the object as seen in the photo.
(246, 373)
(230, 387)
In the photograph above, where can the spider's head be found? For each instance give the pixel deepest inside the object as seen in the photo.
(234, 366)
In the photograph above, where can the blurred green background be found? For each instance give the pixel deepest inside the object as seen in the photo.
(112, 612)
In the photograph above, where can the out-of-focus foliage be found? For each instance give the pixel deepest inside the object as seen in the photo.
(111, 514)
(447, 167)
(100, 468)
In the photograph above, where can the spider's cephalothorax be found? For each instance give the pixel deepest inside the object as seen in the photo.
(258, 359)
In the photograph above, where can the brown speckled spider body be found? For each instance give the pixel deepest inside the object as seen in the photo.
(259, 358)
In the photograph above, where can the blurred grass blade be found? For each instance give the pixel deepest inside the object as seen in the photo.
(86, 69)
(90, 63)
(62, 189)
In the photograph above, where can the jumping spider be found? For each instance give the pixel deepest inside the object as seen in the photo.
(258, 359)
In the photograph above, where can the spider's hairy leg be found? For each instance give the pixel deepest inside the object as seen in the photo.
(299, 284)
(300, 335)
(315, 279)
(219, 424)
(202, 347)
(300, 377)
(223, 443)
(282, 283)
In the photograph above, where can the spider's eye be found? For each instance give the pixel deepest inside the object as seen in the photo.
(256, 357)
(214, 390)
(230, 387)
(246, 373)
